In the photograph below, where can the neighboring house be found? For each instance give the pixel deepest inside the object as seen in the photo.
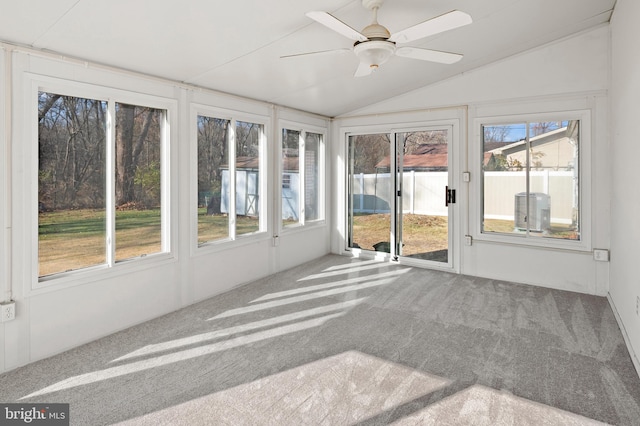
(427, 158)
(553, 150)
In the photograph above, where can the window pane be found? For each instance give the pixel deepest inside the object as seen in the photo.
(312, 146)
(424, 222)
(290, 177)
(554, 179)
(504, 177)
(544, 157)
(71, 183)
(248, 137)
(137, 180)
(213, 179)
(371, 192)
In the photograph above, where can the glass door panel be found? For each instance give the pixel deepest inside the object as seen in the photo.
(370, 192)
(423, 177)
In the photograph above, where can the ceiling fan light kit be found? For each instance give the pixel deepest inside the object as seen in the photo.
(375, 52)
(374, 45)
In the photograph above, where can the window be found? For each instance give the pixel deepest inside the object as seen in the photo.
(531, 179)
(312, 155)
(247, 185)
(95, 208)
(213, 161)
(71, 183)
(302, 153)
(137, 180)
(228, 207)
(291, 140)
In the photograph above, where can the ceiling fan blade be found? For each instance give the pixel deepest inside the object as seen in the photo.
(363, 70)
(319, 53)
(448, 21)
(428, 55)
(336, 25)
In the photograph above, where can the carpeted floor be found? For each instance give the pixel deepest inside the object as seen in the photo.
(342, 341)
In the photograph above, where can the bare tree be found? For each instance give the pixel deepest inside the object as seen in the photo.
(496, 133)
(540, 128)
(71, 135)
(212, 156)
(132, 130)
(419, 142)
(248, 139)
(368, 151)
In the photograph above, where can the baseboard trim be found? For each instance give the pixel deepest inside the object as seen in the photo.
(634, 357)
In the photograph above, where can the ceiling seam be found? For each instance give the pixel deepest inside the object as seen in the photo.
(44, 33)
(29, 50)
(264, 46)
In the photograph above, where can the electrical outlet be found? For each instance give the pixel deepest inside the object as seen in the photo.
(7, 311)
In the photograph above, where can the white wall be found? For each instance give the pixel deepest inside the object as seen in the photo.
(65, 313)
(625, 149)
(570, 74)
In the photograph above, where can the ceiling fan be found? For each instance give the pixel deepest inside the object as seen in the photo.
(374, 45)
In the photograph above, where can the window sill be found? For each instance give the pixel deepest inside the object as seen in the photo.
(97, 273)
(290, 229)
(534, 242)
(227, 244)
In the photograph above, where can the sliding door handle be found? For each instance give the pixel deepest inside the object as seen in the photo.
(450, 196)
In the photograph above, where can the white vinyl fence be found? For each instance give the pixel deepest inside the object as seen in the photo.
(424, 193)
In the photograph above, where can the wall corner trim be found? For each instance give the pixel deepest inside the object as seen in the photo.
(634, 356)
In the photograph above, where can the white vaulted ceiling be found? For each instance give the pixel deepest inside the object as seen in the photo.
(235, 47)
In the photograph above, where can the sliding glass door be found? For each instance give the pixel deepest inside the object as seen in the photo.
(400, 196)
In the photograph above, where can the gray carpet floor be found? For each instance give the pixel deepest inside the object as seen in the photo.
(349, 341)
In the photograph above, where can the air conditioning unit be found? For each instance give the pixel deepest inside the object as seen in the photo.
(539, 219)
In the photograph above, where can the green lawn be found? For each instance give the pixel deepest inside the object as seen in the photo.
(429, 234)
(74, 239)
(216, 227)
(420, 233)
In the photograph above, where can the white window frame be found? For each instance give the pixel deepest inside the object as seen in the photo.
(584, 182)
(5, 179)
(233, 116)
(38, 83)
(303, 129)
(452, 125)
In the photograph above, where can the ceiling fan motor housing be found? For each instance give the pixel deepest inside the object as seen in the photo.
(376, 31)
